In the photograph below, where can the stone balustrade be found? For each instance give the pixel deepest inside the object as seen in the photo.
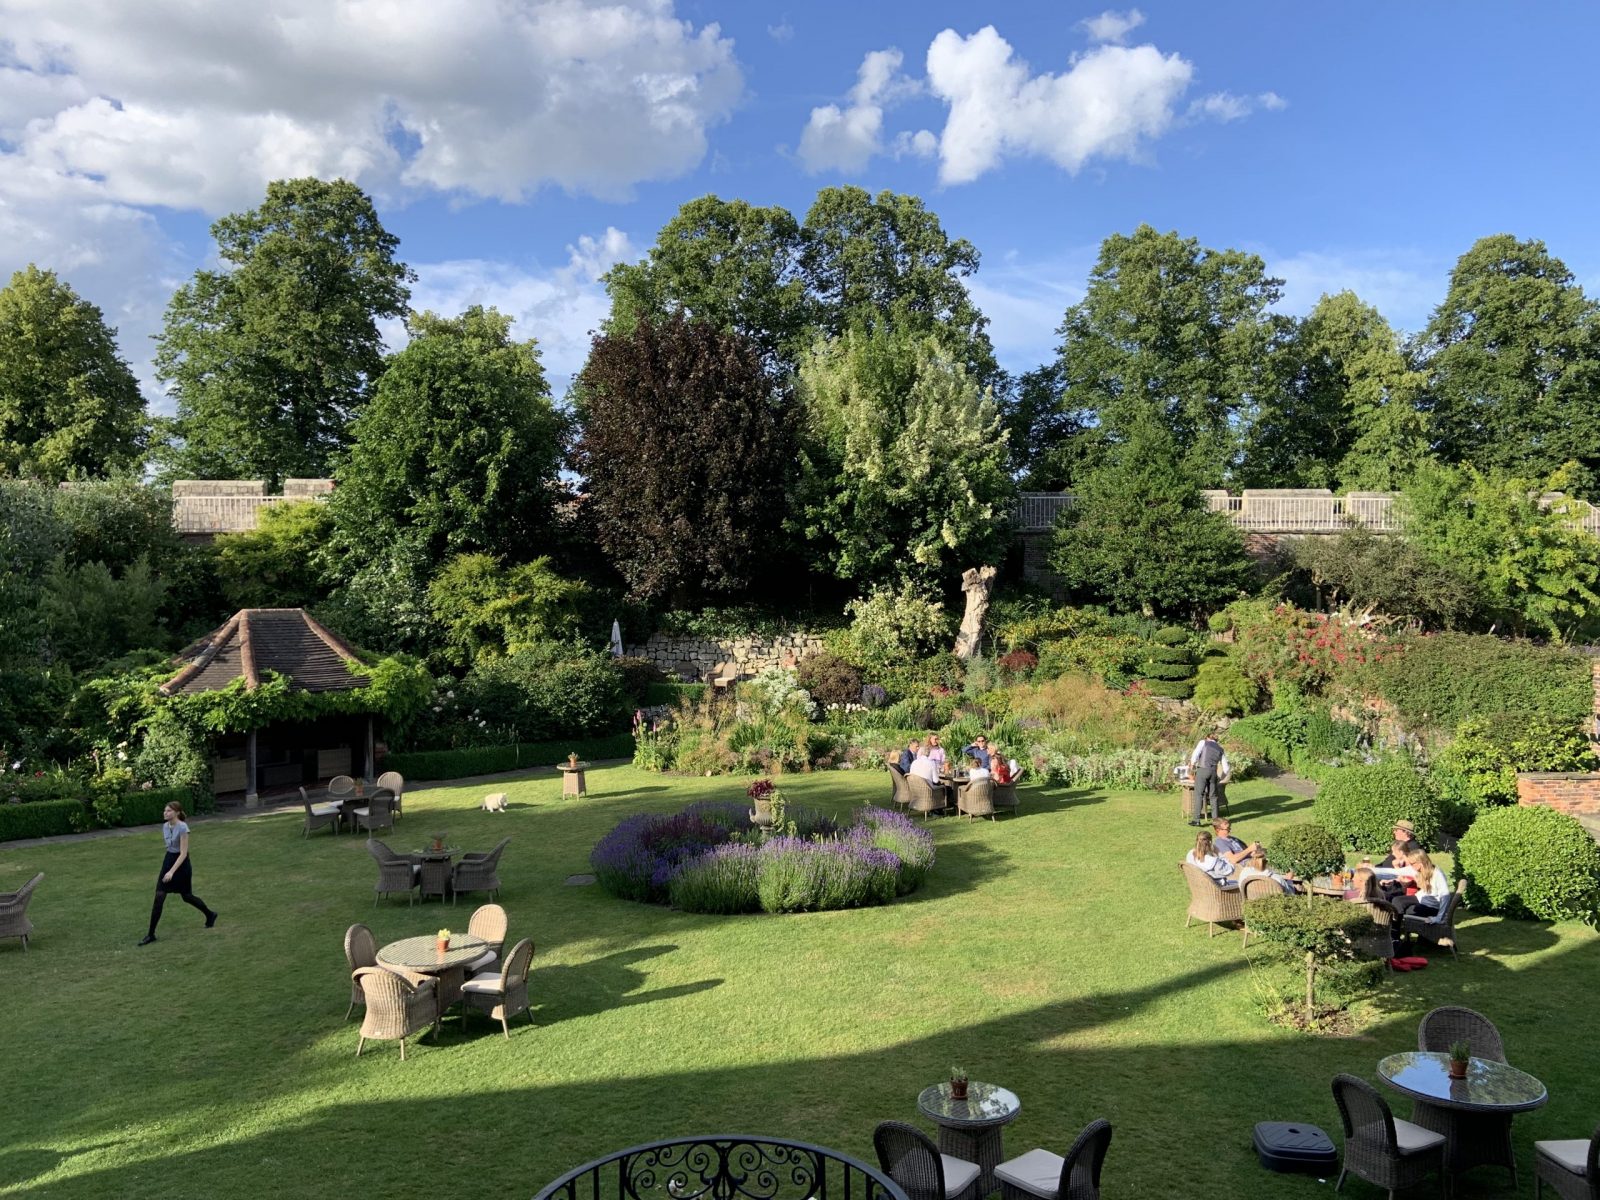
(206, 507)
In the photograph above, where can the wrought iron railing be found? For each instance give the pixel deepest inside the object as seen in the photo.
(725, 1166)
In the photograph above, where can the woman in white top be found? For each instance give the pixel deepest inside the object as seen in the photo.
(1205, 857)
(1433, 888)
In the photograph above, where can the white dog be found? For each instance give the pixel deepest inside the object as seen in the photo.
(494, 802)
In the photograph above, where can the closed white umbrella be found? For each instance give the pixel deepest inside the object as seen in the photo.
(616, 639)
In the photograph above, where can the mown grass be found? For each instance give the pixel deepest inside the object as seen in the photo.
(1046, 952)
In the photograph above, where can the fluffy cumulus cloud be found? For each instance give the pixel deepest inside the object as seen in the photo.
(845, 138)
(171, 103)
(1112, 26)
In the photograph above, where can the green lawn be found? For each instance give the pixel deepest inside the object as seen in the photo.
(1046, 953)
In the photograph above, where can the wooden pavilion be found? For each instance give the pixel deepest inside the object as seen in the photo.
(280, 754)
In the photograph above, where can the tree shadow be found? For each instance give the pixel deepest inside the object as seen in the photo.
(1274, 804)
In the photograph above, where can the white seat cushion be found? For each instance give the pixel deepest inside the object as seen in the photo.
(1037, 1172)
(958, 1174)
(486, 984)
(486, 961)
(325, 810)
(1414, 1139)
(362, 812)
(1571, 1154)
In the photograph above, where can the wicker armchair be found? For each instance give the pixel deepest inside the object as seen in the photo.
(1444, 1026)
(341, 787)
(975, 798)
(360, 950)
(1378, 1146)
(1258, 887)
(926, 797)
(489, 922)
(1440, 931)
(1040, 1175)
(378, 813)
(1380, 943)
(396, 872)
(397, 1006)
(14, 921)
(320, 815)
(395, 782)
(911, 1160)
(1571, 1166)
(897, 781)
(503, 993)
(1005, 797)
(1209, 901)
(478, 872)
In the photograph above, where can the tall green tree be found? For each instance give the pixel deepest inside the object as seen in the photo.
(1139, 537)
(488, 609)
(270, 357)
(69, 405)
(1512, 358)
(905, 462)
(687, 452)
(1173, 333)
(1048, 438)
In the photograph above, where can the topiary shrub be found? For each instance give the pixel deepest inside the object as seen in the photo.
(1305, 850)
(829, 679)
(1359, 805)
(1319, 935)
(1221, 688)
(1172, 635)
(1530, 861)
(1170, 689)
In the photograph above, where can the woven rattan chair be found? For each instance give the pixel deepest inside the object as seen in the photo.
(341, 787)
(14, 921)
(1445, 1026)
(360, 950)
(1209, 901)
(503, 993)
(1041, 1175)
(897, 781)
(396, 872)
(322, 815)
(1378, 1146)
(396, 783)
(1571, 1166)
(926, 797)
(478, 872)
(1440, 931)
(975, 798)
(1005, 797)
(489, 922)
(397, 1006)
(911, 1160)
(378, 813)
(1259, 887)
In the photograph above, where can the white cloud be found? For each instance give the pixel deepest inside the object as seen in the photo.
(1225, 106)
(1025, 300)
(1107, 104)
(1403, 284)
(924, 143)
(781, 32)
(845, 139)
(1112, 26)
(189, 105)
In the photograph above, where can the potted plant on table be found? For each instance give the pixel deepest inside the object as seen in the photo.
(443, 943)
(438, 841)
(1460, 1059)
(958, 1083)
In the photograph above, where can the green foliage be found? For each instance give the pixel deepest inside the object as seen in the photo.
(1322, 935)
(904, 465)
(1360, 804)
(1278, 645)
(1363, 571)
(69, 405)
(1305, 850)
(724, 622)
(276, 564)
(490, 760)
(1221, 688)
(487, 608)
(270, 357)
(1169, 689)
(174, 756)
(670, 693)
(891, 626)
(1531, 861)
(829, 679)
(547, 690)
(91, 616)
(1488, 752)
(42, 818)
(687, 450)
(1439, 680)
(1109, 769)
(397, 687)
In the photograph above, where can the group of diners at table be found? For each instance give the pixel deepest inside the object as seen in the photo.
(926, 759)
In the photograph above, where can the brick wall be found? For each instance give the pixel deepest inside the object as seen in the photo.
(1569, 792)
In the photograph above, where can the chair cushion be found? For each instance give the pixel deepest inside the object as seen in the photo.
(486, 984)
(1414, 1139)
(1037, 1171)
(483, 962)
(958, 1175)
(326, 810)
(1571, 1154)
(362, 812)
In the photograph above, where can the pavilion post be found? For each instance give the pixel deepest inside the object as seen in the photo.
(369, 775)
(250, 798)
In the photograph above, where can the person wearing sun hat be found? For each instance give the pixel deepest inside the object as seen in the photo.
(1404, 833)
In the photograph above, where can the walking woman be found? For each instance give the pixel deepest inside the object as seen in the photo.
(176, 870)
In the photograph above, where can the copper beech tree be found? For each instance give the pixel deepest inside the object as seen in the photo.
(686, 452)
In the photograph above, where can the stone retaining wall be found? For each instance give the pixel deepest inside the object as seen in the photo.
(693, 659)
(1573, 792)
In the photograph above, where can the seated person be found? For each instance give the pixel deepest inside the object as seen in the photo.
(1230, 847)
(1365, 886)
(1433, 886)
(936, 751)
(978, 750)
(908, 755)
(1404, 834)
(999, 769)
(979, 768)
(1255, 867)
(1205, 857)
(924, 767)
(1393, 873)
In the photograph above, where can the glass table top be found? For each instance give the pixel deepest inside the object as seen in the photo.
(985, 1104)
(422, 953)
(1489, 1086)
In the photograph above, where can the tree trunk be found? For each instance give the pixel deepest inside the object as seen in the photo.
(977, 583)
(1311, 976)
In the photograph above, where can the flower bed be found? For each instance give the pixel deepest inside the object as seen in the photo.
(710, 858)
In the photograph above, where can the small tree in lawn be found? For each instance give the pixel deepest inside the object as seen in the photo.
(1321, 935)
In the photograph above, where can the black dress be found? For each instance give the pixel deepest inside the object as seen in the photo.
(181, 878)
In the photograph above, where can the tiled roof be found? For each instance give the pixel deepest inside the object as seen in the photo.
(257, 640)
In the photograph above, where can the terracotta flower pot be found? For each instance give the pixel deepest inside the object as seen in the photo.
(958, 1089)
(443, 944)
(1458, 1070)
(572, 760)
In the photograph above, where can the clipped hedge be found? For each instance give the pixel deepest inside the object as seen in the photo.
(50, 818)
(42, 818)
(491, 760)
(1530, 861)
(1436, 681)
(1169, 689)
(1359, 805)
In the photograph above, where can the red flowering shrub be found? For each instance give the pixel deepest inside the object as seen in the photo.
(1315, 652)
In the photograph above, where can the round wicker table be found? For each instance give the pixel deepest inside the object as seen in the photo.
(1474, 1113)
(421, 955)
(974, 1128)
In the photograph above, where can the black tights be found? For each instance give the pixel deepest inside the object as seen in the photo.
(188, 898)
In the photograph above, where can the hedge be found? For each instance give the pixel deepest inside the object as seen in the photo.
(42, 818)
(1359, 805)
(50, 818)
(491, 760)
(1438, 680)
(1530, 861)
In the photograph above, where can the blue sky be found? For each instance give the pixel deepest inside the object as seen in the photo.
(517, 149)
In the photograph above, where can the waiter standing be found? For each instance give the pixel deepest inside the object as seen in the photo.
(1204, 763)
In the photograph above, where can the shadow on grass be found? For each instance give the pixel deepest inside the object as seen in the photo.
(1274, 804)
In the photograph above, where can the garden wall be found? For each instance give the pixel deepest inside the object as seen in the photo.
(1576, 792)
(692, 658)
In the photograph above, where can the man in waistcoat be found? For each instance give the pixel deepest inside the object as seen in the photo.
(1204, 763)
